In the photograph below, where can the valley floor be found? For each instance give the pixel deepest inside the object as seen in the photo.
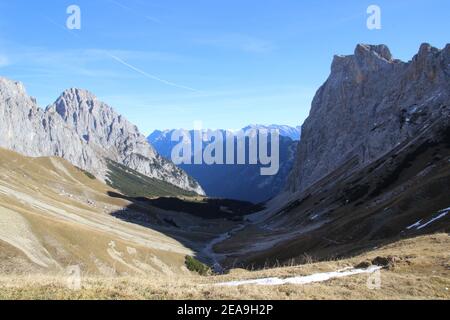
(417, 268)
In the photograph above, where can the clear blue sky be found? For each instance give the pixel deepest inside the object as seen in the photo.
(166, 63)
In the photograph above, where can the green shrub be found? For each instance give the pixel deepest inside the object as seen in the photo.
(88, 174)
(196, 266)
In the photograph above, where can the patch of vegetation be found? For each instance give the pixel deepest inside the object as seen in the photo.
(196, 266)
(88, 174)
(134, 184)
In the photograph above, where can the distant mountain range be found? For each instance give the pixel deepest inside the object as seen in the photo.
(239, 182)
(294, 133)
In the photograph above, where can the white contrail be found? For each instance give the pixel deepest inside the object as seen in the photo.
(134, 12)
(148, 75)
(142, 72)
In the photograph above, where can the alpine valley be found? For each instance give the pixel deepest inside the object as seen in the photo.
(363, 189)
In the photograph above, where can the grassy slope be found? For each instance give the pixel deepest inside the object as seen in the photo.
(421, 271)
(55, 213)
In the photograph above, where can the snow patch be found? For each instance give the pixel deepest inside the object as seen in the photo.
(415, 225)
(317, 277)
(418, 225)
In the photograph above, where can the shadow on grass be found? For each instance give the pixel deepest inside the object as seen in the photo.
(208, 209)
(168, 215)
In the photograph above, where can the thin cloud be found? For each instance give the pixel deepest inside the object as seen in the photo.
(149, 18)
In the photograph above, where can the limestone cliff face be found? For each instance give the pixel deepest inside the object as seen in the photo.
(84, 131)
(369, 104)
(29, 130)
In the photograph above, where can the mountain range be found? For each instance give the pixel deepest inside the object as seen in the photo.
(237, 181)
(294, 133)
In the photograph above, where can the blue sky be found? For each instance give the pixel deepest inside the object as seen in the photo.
(228, 63)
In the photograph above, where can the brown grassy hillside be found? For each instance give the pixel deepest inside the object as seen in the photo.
(419, 269)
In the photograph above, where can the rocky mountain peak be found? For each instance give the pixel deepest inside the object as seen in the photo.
(9, 88)
(366, 59)
(426, 54)
(430, 64)
(426, 49)
(79, 94)
(75, 101)
(379, 51)
(371, 103)
(84, 131)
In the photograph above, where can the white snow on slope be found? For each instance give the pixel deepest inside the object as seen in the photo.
(415, 225)
(317, 277)
(418, 225)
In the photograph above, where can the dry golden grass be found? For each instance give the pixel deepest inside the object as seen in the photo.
(421, 271)
(52, 215)
(46, 215)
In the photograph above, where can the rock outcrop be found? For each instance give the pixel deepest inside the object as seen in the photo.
(83, 130)
(370, 104)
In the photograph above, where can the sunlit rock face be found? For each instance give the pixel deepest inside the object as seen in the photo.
(370, 103)
(84, 131)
